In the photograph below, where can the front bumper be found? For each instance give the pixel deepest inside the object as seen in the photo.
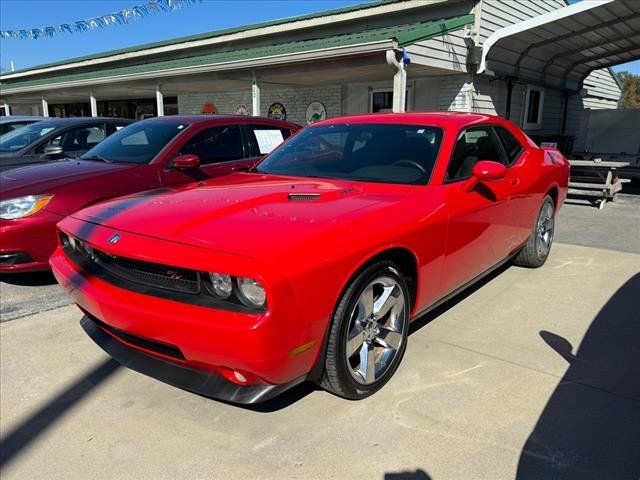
(197, 381)
(264, 347)
(27, 243)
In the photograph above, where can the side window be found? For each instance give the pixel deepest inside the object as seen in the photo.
(474, 144)
(264, 138)
(114, 127)
(77, 139)
(214, 145)
(512, 146)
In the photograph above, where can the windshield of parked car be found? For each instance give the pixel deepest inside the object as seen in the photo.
(21, 137)
(138, 143)
(386, 153)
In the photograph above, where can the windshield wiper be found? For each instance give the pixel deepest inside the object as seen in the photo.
(98, 158)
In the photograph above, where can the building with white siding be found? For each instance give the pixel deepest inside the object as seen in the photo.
(344, 61)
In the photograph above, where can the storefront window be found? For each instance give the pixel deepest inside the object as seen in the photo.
(171, 105)
(136, 109)
(382, 101)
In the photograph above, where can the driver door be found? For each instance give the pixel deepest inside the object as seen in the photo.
(220, 148)
(477, 219)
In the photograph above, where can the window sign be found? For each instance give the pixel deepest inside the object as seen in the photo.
(268, 139)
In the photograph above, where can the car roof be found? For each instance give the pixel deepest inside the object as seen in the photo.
(196, 119)
(77, 120)
(440, 119)
(20, 118)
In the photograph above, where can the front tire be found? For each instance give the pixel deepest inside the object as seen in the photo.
(368, 333)
(536, 251)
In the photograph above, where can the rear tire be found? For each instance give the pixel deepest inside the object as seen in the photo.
(368, 333)
(536, 251)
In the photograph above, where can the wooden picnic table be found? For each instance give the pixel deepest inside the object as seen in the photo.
(594, 178)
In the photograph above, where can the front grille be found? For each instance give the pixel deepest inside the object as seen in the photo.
(163, 281)
(150, 274)
(14, 258)
(127, 270)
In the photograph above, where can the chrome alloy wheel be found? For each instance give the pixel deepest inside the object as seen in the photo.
(544, 230)
(376, 330)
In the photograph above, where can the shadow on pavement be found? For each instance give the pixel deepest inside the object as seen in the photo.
(28, 430)
(426, 318)
(590, 427)
(31, 279)
(418, 474)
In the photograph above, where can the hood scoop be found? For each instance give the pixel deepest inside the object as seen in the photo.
(303, 197)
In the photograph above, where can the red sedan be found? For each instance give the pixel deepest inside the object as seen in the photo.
(159, 152)
(311, 265)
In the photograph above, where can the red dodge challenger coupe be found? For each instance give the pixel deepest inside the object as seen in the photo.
(159, 152)
(311, 265)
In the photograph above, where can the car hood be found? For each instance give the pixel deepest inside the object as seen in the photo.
(49, 176)
(245, 214)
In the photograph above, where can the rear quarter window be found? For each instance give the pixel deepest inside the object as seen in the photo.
(512, 147)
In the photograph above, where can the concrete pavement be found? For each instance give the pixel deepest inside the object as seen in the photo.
(508, 381)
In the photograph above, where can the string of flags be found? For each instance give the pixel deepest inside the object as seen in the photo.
(122, 17)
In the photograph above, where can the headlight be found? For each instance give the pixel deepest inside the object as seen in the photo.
(222, 284)
(251, 292)
(22, 207)
(241, 291)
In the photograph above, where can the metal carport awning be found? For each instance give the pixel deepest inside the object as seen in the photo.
(561, 48)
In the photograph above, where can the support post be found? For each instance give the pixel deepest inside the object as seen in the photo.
(399, 82)
(159, 101)
(7, 109)
(93, 103)
(255, 97)
(45, 107)
(565, 111)
(507, 113)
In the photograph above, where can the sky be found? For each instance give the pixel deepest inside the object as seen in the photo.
(200, 17)
(197, 18)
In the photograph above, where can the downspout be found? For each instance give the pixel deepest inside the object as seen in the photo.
(399, 80)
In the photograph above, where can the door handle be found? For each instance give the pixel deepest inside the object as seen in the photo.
(514, 182)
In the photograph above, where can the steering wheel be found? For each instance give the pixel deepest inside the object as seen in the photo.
(411, 163)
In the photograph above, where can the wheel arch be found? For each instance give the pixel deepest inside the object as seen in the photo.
(554, 192)
(408, 263)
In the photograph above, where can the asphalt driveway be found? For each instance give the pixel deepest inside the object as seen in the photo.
(533, 375)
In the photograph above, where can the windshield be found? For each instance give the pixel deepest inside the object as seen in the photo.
(138, 143)
(363, 152)
(21, 137)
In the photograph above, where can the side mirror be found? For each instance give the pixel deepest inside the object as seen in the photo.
(485, 171)
(51, 150)
(182, 162)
